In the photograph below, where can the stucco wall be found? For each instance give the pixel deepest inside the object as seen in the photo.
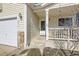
(33, 25)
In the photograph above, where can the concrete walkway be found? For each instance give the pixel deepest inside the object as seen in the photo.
(47, 51)
(5, 49)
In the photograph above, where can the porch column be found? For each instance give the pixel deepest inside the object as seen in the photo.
(47, 19)
(25, 26)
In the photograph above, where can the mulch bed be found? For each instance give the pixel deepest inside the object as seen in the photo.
(48, 51)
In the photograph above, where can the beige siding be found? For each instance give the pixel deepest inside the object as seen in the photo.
(11, 9)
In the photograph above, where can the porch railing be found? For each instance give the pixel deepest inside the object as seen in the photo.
(63, 33)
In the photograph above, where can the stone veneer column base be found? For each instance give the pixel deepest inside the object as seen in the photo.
(21, 39)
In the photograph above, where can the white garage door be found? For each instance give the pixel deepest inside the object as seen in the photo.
(8, 31)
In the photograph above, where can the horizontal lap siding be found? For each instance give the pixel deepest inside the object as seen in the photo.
(12, 9)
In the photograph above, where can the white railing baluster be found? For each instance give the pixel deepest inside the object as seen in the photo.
(63, 33)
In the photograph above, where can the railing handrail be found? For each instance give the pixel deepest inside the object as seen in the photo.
(63, 28)
(57, 28)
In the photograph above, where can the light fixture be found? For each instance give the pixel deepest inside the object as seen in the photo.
(1, 7)
(20, 15)
(0, 10)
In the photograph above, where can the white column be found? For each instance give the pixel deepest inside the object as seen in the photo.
(68, 40)
(47, 19)
(73, 20)
(25, 26)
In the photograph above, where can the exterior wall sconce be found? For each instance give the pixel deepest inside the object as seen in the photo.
(0, 10)
(49, 19)
(1, 7)
(20, 15)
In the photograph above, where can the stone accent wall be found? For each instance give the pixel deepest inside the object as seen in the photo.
(21, 39)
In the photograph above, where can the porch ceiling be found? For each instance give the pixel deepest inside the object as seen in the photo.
(39, 8)
(64, 11)
(57, 12)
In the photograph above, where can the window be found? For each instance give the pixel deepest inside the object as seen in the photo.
(77, 19)
(42, 25)
(65, 22)
(77, 22)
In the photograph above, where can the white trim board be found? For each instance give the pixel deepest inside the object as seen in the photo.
(25, 26)
(9, 16)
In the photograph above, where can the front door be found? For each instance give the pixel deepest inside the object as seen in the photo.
(42, 32)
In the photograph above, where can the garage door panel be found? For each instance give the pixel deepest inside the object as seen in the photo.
(8, 32)
(11, 39)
